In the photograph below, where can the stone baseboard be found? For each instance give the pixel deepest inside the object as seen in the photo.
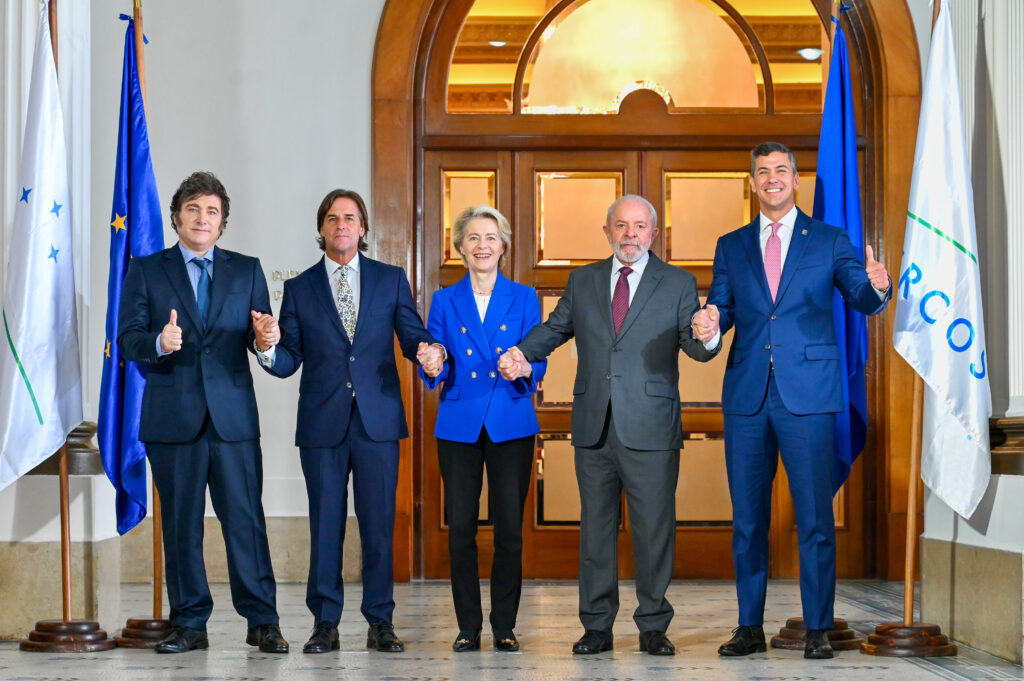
(30, 585)
(975, 595)
(289, 551)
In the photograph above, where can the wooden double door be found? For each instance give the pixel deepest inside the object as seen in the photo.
(556, 201)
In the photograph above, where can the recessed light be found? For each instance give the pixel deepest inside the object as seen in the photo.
(497, 43)
(810, 53)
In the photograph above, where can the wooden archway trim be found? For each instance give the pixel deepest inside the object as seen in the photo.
(880, 29)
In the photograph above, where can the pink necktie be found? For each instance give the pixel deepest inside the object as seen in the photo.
(620, 301)
(773, 259)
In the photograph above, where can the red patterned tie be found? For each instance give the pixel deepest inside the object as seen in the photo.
(620, 301)
(773, 259)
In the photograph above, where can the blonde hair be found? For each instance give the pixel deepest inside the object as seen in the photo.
(473, 212)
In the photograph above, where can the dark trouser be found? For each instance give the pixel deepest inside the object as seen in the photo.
(234, 472)
(649, 479)
(374, 468)
(508, 481)
(752, 447)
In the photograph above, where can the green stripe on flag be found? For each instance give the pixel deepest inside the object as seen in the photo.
(944, 236)
(24, 376)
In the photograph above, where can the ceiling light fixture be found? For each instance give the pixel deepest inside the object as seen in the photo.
(497, 43)
(810, 53)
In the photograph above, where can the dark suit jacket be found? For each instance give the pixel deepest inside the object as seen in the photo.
(795, 331)
(637, 371)
(211, 371)
(474, 394)
(312, 333)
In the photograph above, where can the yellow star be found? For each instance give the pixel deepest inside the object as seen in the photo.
(106, 350)
(118, 223)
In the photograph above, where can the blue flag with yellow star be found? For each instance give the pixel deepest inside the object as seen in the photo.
(136, 229)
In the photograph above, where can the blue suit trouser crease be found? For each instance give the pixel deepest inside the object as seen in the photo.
(753, 444)
(374, 470)
(234, 473)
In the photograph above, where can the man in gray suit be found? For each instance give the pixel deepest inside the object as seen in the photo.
(630, 315)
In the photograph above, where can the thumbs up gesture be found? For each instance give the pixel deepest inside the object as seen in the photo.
(170, 336)
(876, 271)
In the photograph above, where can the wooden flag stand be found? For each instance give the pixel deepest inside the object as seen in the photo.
(139, 632)
(906, 639)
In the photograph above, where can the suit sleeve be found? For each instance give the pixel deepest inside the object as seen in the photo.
(288, 355)
(259, 301)
(720, 293)
(852, 280)
(408, 325)
(689, 303)
(134, 337)
(436, 325)
(542, 340)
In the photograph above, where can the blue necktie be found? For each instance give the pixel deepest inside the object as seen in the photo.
(203, 289)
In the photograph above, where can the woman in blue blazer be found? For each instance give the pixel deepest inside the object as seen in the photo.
(484, 420)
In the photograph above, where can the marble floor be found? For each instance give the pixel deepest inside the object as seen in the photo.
(705, 613)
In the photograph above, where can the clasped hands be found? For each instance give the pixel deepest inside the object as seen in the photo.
(431, 358)
(513, 364)
(705, 323)
(268, 332)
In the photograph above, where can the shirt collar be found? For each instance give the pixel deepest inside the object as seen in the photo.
(788, 221)
(637, 266)
(189, 255)
(333, 265)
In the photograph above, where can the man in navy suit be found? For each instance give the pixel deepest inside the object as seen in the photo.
(186, 315)
(340, 318)
(774, 281)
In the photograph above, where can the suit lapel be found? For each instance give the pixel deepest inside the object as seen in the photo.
(367, 287)
(648, 282)
(501, 301)
(602, 289)
(223, 276)
(752, 247)
(322, 292)
(174, 268)
(797, 246)
(469, 316)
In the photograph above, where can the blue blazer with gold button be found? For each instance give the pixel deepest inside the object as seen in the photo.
(474, 395)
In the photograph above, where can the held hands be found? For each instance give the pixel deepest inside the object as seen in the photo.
(876, 271)
(268, 333)
(705, 323)
(513, 365)
(431, 358)
(170, 336)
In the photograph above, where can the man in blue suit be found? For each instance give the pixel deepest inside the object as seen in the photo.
(774, 281)
(186, 316)
(340, 318)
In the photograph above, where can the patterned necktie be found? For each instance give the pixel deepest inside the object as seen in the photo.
(773, 259)
(346, 302)
(620, 301)
(203, 289)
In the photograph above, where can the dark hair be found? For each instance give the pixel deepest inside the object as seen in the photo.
(200, 183)
(767, 148)
(325, 205)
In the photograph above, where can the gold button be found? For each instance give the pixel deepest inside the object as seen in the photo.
(503, 327)
(492, 374)
(462, 330)
(497, 350)
(472, 374)
(469, 351)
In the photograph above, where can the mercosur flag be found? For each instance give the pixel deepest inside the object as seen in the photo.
(939, 326)
(40, 380)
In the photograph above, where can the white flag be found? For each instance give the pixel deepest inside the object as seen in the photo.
(40, 379)
(939, 326)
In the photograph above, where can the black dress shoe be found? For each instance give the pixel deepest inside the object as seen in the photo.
(381, 637)
(816, 645)
(505, 641)
(324, 639)
(745, 640)
(268, 637)
(182, 640)
(467, 640)
(656, 643)
(593, 641)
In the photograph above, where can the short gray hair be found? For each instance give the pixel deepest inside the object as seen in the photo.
(766, 149)
(631, 197)
(483, 211)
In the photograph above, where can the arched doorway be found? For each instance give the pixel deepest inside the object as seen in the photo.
(431, 147)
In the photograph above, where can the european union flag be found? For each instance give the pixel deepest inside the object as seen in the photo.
(837, 202)
(136, 230)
